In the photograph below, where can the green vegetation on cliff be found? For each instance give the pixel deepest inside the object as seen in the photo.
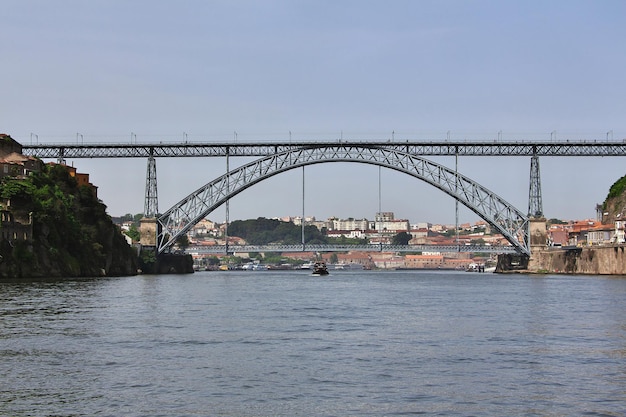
(72, 235)
(617, 189)
(614, 205)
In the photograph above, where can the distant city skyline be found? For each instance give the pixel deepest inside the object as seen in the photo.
(149, 71)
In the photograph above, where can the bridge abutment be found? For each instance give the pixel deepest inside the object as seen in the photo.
(154, 263)
(538, 232)
(538, 235)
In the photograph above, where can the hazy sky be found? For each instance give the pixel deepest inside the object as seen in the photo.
(108, 70)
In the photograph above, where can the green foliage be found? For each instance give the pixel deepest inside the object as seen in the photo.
(21, 193)
(213, 260)
(133, 233)
(72, 234)
(617, 188)
(273, 258)
(401, 238)
(148, 257)
(182, 242)
(264, 231)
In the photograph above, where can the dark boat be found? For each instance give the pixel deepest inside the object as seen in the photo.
(319, 268)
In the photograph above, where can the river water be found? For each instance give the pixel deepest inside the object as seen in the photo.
(288, 344)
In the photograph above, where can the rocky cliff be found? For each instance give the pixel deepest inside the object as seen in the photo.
(614, 206)
(70, 233)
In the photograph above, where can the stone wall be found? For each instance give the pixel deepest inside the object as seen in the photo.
(600, 260)
(148, 231)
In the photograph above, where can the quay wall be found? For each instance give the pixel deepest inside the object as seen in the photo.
(599, 260)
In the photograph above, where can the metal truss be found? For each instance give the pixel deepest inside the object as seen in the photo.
(351, 248)
(501, 215)
(151, 202)
(535, 204)
(259, 149)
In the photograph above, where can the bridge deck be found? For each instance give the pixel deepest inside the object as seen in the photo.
(349, 248)
(424, 148)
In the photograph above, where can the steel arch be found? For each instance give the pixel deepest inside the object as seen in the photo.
(501, 215)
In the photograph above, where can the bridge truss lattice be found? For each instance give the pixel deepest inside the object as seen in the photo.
(500, 214)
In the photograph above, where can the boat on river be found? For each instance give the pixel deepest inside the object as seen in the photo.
(319, 269)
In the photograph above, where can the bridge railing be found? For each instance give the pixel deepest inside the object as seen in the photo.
(262, 148)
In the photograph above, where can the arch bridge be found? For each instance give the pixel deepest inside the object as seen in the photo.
(500, 214)
(279, 156)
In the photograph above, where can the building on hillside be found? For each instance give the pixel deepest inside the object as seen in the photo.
(423, 261)
(620, 235)
(348, 224)
(308, 220)
(387, 260)
(12, 162)
(558, 235)
(81, 179)
(422, 225)
(602, 234)
(8, 145)
(206, 228)
(435, 261)
(18, 165)
(355, 258)
(384, 216)
(353, 234)
(385, 222)
(12, 229)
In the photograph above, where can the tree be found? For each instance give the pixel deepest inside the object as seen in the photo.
(213, 260)
(183, 242)
(402, 239)
(133, 233)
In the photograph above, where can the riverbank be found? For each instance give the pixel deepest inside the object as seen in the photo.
(597, 260)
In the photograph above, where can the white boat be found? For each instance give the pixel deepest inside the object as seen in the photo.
(346, 267)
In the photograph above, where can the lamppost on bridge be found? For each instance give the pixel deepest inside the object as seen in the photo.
(36, 139)
(78, 135)
(553, 136)
(132, 135)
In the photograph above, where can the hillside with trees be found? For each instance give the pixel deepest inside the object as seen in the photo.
(264, 231)
(614, 206)
(72, 235)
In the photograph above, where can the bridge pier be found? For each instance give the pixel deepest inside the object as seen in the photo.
(152, 262)
(538, 242)
(148, 231)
